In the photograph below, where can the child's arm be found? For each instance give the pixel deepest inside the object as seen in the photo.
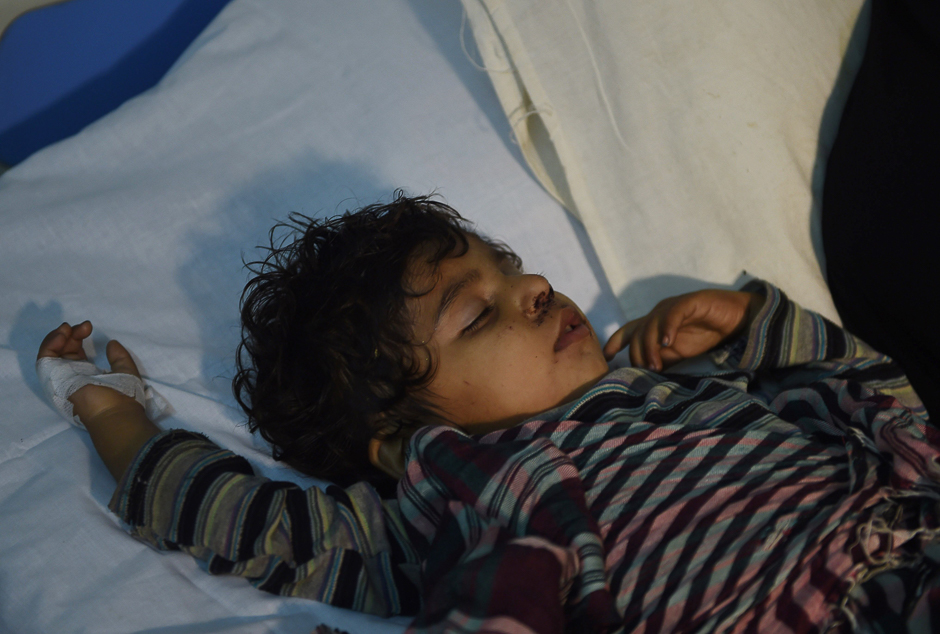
(345, 547)
(176, 490)
(759, 329)
(117, 423)
(789, 346)
(685, 326)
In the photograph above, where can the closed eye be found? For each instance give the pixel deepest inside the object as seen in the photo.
(478, 323)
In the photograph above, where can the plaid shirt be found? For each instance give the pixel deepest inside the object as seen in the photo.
(763, 498)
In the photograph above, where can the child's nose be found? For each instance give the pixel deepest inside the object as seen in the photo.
(538, 297)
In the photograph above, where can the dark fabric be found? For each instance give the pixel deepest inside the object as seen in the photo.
(881, 213)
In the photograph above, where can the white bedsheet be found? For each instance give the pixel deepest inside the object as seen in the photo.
(690, 137)
(139, 223)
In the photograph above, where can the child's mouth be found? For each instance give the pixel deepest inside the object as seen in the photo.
(572, 329)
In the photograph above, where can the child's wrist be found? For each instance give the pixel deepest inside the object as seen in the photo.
(750, 305)
(118, 433)
(93, 402)
(754, 306)
(123, 414)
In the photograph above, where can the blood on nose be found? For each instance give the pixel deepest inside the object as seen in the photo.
(542, 304)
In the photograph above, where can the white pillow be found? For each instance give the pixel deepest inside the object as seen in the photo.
(685, 135)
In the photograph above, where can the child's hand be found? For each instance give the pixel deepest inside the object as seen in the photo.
(118, 424)
(684, 326)
(91, 401)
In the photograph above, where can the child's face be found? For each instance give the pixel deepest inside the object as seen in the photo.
(506, 347)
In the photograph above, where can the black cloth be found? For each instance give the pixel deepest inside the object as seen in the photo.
(881, 210)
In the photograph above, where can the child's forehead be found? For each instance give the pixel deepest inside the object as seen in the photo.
(427, 265)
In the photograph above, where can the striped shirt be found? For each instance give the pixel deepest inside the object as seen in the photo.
(763, 498)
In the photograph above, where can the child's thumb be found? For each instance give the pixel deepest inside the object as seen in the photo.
(120, 359)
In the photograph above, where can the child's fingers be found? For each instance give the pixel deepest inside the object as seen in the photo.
(670, 357)
(638, 357)
(652, 341)
(618, 340)
(82, 330)
(53, 343)
(73, 345)
(673, 320)
(120, 359)
(65, 341)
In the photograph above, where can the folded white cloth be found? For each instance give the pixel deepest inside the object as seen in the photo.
(60, 378)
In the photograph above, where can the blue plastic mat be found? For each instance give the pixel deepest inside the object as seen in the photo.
(64, 66)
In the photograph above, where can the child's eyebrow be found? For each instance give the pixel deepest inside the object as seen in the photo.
(452, 290)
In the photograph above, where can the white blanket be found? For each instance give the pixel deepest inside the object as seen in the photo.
(686, 135)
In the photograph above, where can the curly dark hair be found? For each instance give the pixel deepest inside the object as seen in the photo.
(327, 359)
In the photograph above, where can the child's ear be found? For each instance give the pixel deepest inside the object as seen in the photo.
(386, 455)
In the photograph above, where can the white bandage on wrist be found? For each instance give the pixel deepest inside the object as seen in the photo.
(60, 378)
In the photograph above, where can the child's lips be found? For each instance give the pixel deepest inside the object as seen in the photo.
(572, 328)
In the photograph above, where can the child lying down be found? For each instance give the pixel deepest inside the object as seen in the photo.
(537, 491)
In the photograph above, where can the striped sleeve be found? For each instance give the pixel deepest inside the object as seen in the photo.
(784, 335)
(345, 547)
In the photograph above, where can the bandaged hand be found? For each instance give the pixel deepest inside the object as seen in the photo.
(114, 406)
(78, 389)
(684, 326)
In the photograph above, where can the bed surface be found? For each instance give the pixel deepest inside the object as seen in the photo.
(140, 223)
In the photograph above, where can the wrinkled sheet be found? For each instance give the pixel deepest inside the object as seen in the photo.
(140, 223)
(690, 138)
